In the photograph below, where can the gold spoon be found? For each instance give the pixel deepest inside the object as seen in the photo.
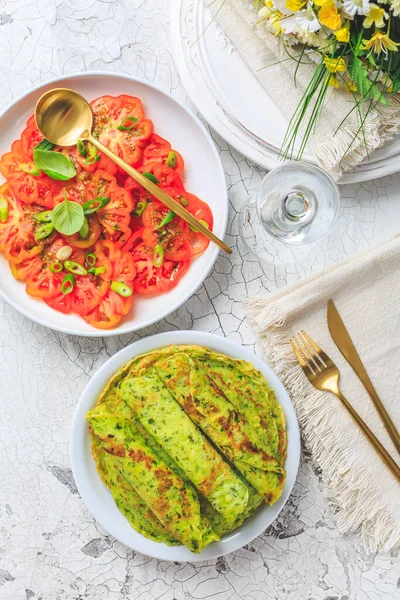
(64, 117)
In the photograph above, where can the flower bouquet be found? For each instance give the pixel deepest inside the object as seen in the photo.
(355, 47)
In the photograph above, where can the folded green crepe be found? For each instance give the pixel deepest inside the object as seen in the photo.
(159, 413)
(113, 403)
(209, 408)
(243, 385)
(175, 504)
(127, 499)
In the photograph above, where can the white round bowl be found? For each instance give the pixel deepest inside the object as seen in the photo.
(98, 498)
(203, 176)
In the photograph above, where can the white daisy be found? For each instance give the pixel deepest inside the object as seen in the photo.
(353, 7)
(288, 24)
(307, 20)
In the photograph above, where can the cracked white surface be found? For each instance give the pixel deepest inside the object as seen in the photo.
(50, 546)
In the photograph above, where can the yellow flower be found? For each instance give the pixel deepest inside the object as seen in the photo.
(375, 16)
(343, 34)
(335, 65)
(351, 86)
(295, 5)
(329, 16)
(379, 42)
(321, 2)
(332, 81)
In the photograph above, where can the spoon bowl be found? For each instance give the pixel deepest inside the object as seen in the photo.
(63, 116)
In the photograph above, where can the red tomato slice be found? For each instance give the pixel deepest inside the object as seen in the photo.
(115, 216)
(28, 188)
(173, 236)
(158, 150)
(167, 178)
(17, 234)
(151, 280)
(110, 114)
(201, 211)
(77, 241)
(30, 137)
(113, 306)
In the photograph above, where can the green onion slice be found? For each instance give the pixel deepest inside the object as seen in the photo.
(44, 216)
(92, 206)
(3, 209)
(121, 288)
(30, 169)
(44, 231)
(92, 156)
(56, 267)
(68, 284)
(202, 222)
(127, 124)
(139, 209)
(151, 177)
(75, 267)
(97, 270)
(84, 230)
(158, 256)
(171, 160)
(44, 145)
(170, 216)
(91, 259)
(82, 148)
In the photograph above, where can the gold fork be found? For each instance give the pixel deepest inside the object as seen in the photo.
(324, 375)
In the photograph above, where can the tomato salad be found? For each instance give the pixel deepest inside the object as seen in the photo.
(83, 235)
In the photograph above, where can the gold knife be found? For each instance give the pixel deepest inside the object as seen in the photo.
(342, 339)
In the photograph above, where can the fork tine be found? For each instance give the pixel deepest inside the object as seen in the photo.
(321, 353)
(304, 363)
(315, 357)
(312, 363)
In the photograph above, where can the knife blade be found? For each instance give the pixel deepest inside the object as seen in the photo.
(343, 341)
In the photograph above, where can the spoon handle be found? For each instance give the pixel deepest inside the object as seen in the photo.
(159, 193)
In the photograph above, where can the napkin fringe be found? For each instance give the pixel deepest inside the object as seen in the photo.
(355, 499)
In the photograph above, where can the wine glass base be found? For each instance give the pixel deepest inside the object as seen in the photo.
(266, 247)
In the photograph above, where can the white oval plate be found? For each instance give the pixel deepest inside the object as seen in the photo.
(233, 101)
(203, 176)
(98, 498)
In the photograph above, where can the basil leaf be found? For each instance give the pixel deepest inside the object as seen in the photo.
(67, 217)
(54, 164)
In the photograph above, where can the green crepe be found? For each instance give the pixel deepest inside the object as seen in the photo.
(175, 505)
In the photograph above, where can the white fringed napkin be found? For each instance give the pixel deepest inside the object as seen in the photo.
(264, 53)
(366, 291)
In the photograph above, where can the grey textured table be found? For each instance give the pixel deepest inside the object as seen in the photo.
(51, 548)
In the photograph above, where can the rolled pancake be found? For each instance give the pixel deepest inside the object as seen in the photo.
(136, 511)
(253, 398)
(175, 505)
(209, 408)
(221, 526)
(159, 413)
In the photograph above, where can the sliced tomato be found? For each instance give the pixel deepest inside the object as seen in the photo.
(30, 137)
(112, 306)
(27, 268)
(77, 241)
(110, 113)
(173, 236)
(152, 281)
(115, 216)
(198, 209)
(17, 234)
(104, 163)
(158, 150)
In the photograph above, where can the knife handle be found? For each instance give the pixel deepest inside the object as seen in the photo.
(387, 421)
